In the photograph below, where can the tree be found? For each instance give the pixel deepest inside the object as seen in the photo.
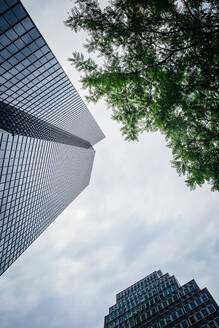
(159, 71)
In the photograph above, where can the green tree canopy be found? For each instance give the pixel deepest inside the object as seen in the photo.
(159, 71)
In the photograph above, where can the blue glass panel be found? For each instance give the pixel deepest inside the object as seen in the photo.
(26, 52)
(26, 38)
(32, 58)
(5, 54)
(211, 308)
(2, 80)
(1, 70)
(27, 23)
(185, 324)
(25, 62)
(168, 319)
(3, 24)
(198, 316)
(7, 76)
(204, 297)
(192, 319)
(10, 17)
(34, 34)
(20, 56)
(40, 42)
(19, 29)
(13, 61)
(32, 47)
(3, 6)
(12, 49)
(11, 2)
(187, 307)
(199, 301)
(11, 35)
(39, 54)
(19, 12)
(49, 56)
(204, 312)
(19, 44)
(4, 40)
(162, 323)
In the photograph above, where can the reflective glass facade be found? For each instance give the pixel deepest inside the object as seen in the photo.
(158, 301)
(46, 135)
(32, 80)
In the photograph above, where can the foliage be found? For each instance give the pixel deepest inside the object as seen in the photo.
(159, 71)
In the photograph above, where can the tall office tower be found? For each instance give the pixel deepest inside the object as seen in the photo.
(46, 135)
(158, 301)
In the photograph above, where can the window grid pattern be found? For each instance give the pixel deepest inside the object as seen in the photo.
(39, 179)
(17, 122)
(33, 81)
(180, 307)
(46, 135)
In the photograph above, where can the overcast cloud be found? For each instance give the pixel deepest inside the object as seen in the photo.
(136, 216)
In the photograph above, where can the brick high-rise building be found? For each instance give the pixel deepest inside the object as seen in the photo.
(158, 301)
(46, 134)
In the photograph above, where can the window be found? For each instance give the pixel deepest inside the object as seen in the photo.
(5, 53)
(192, 319)
(12, 35)
(198, 316)
(19, 11)
(34, 34)
(11, 18)
(168, 319)
(20, 56)
(13, 61)
(204, 312)
(40, 42)
(33, 47)
(174, 316)
(11, 2)
(27, 23)
(211, 308)
(3, 24)
(3, 7)
(12, 49)
(160, 306)
(179, 312)
(204, 297)
(184, 324)
(187, 307)
(26, 51)
(199, 301)
(19, 29)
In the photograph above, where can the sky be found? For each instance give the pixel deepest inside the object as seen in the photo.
(135, 217)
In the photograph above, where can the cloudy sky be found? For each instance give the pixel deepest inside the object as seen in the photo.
(136, 216)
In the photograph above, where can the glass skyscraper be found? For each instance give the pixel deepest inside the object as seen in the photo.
(46, 134)
(158, 301)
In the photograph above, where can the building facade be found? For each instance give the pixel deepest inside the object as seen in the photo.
(47, 134)
(158, 301)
